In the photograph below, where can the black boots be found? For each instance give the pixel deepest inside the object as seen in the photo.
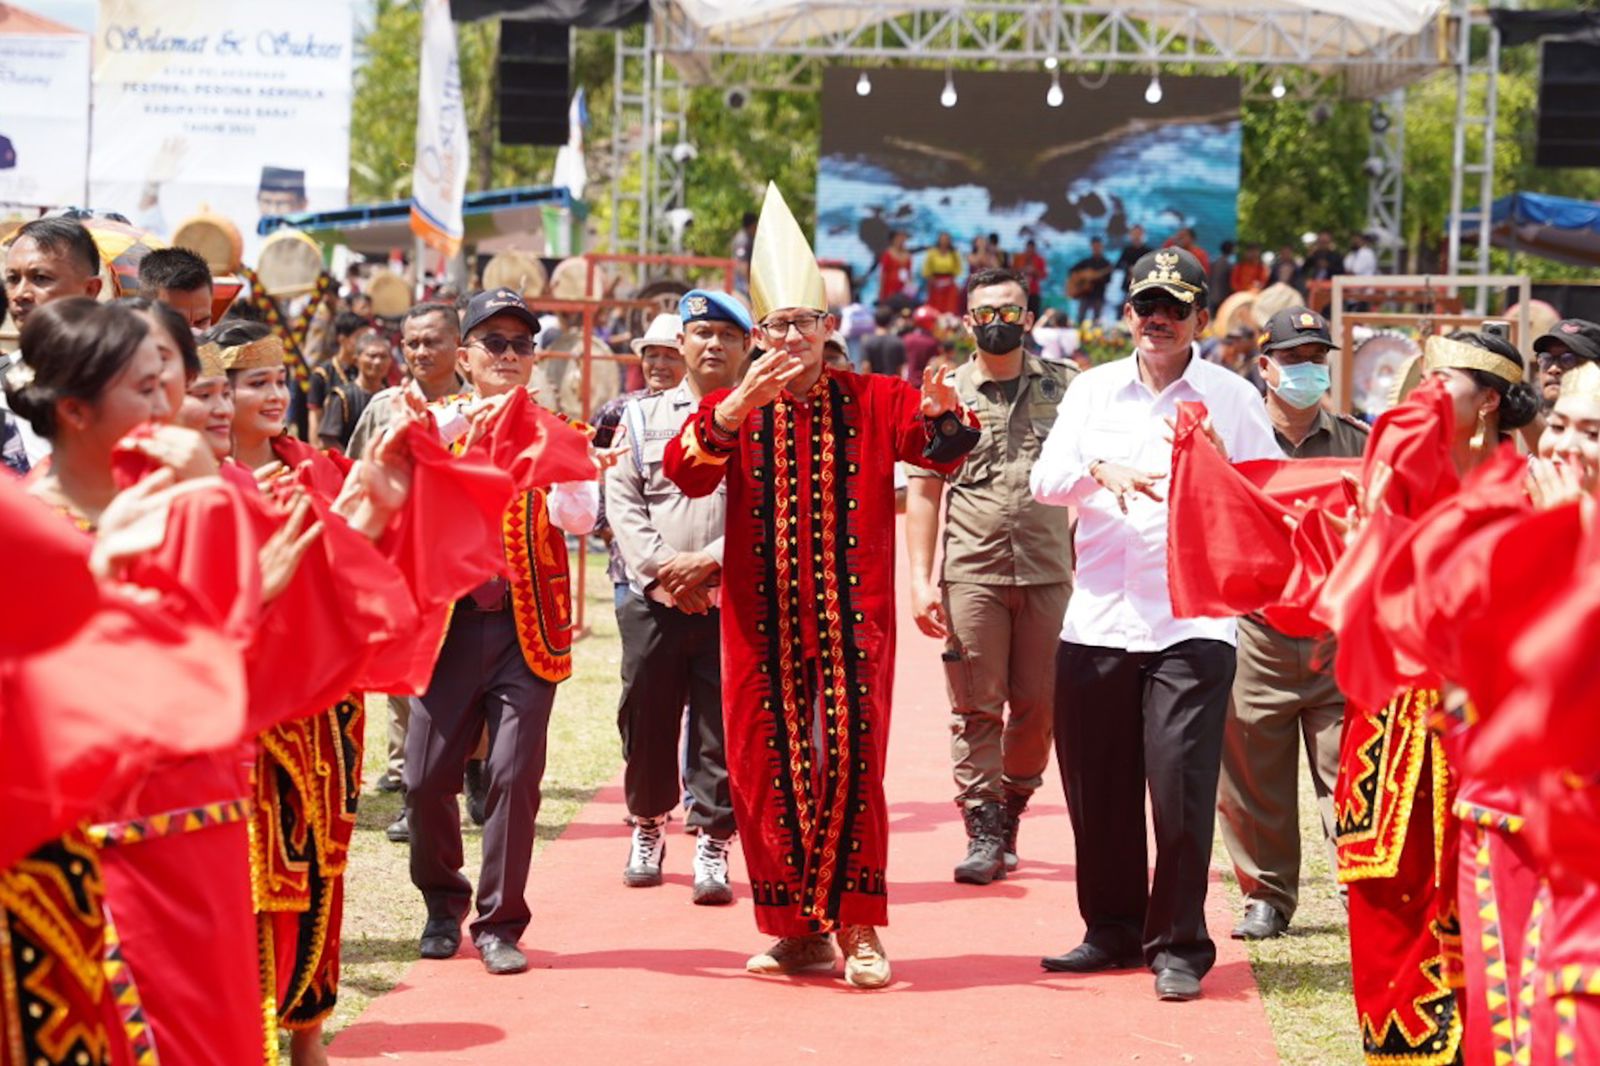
(1016, 803)
(985, 859)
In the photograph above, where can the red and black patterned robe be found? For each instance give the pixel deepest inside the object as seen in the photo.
(808, 632)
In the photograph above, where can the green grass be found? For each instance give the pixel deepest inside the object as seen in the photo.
(1304, 977)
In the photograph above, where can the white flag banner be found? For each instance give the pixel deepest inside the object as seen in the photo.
(570, 170)
(439, 179)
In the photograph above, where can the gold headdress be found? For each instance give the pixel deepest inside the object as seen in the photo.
(1442, 353)
(1582, 382)
(783, 268)
(266, 352)
(211, 365)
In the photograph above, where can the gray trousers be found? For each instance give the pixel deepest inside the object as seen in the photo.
(670, 658)
(481, 681)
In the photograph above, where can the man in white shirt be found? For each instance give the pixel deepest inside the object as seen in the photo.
(1361, 260)
(1141, 696)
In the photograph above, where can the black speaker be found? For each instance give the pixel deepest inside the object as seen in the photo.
(1568, 131)
(533, 78)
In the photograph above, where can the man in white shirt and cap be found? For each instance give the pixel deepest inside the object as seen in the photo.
(1142, 696)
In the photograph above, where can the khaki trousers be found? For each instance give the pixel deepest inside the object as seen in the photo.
(399, 718)
(1281, 701)
(1001, 650)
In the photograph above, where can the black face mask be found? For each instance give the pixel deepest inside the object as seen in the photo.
(999, 338)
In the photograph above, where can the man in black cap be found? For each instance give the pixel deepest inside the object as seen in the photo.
(1142, 696)
(508, 645)
(1568, 342)
(1284, 694)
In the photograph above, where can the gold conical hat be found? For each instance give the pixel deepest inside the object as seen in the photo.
(783, 269)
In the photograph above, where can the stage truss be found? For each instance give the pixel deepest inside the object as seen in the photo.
(1312, 55)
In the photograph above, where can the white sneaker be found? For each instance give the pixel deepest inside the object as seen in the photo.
(645, 856)
(711, 887)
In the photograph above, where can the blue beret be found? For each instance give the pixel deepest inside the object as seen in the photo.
(703, 305)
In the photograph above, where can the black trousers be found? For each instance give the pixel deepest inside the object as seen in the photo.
(670, 658)
(481, 681)
(1126, 721)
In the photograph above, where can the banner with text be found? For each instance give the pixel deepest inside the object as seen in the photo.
(239, 110)
(44, 122)
(439, 179)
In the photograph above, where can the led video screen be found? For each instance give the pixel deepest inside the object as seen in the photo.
(1003, 161)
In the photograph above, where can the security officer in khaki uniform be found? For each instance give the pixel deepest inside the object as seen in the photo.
(670, 618)
(1284, 692)
(1006, 577)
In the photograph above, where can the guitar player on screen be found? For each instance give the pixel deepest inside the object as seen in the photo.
(1087, 281)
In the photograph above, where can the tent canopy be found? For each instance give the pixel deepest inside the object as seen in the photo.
(741, 21)
(1554, 227)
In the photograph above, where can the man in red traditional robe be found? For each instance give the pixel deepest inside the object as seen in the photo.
(808, 454)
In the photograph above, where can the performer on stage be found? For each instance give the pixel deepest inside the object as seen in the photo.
(940, 265)
(808, 608)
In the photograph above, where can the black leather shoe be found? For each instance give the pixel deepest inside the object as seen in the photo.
(1176, 986)
(1086, 958)
(399, 830)
(440, 939)
(1262, 921)
(501, 956)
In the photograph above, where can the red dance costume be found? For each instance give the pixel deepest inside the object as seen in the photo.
(808, 635)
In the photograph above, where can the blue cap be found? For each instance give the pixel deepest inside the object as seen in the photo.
(703, 305)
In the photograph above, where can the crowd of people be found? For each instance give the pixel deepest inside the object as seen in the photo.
(1174, 571)
(902, 284)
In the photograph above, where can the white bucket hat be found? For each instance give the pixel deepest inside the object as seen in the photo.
(663, 333)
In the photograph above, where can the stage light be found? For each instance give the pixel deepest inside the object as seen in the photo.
(948, 97)
(1051, 63)
(1152, 92)
(863, 85)
(1278, 89)
(1055, 96)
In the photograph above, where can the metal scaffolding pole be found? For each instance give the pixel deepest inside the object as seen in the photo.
(1386, 178)
(1472, 156)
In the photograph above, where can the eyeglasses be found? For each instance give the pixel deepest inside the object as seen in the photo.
(1010, 314)
(778, 329)
(1565, 360)
(497, 345)
(1145, 306)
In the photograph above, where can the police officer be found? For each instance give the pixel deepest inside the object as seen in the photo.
(1006, 578)
(1284, 692)
(670, 617)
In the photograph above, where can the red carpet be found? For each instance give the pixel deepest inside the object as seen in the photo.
(642, 976)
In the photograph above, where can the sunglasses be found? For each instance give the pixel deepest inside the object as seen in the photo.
(497, 345)
(1145, 306)
(1565, 360)
(778, 329)
(1010, 314)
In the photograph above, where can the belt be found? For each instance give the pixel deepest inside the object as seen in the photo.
(470, 603)
(491, 596)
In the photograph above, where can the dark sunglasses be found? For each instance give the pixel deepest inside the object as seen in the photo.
(1145, 306)
(1010, 314)
(1565, 360)
(497, 345)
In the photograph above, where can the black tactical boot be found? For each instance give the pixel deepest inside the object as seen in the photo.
(985, 841)
(1016, 803)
